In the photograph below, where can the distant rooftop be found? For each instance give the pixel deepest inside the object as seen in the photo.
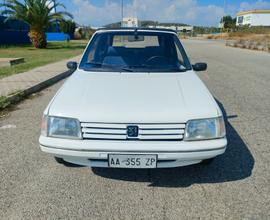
(253, 11)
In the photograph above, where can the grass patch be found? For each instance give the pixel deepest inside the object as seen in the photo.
(54, 52)
(4, 102)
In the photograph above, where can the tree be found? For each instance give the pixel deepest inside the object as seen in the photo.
(229, 22)
(38, 14)
(68, 27)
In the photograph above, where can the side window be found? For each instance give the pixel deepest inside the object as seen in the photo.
(99, 48)
(92, 52)
(179, 55)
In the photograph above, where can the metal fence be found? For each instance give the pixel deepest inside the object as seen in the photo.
(14, 37)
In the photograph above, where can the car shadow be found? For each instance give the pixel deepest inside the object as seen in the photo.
(235, 164)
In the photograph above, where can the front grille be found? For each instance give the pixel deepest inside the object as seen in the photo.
(147, 132)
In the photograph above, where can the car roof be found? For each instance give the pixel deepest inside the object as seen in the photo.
(136, 29)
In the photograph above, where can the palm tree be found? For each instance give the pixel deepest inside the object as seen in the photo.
(39, 14)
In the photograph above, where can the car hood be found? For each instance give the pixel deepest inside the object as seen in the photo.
(134, 98)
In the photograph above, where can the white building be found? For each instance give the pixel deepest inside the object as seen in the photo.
(184, 28)
(175, 28)
(130, 22)
(253, 18)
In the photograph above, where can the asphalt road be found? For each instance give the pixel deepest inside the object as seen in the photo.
(235, 186)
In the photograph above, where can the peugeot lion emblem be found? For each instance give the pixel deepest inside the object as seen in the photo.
(132, 131)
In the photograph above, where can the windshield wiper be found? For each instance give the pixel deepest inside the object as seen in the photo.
(127, 69)
(131, 67)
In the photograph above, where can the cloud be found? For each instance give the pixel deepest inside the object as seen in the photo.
(260, 4)
(87, 13)
(184, 11)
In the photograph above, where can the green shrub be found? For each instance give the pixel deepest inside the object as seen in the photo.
(4, 102)
(252, 30)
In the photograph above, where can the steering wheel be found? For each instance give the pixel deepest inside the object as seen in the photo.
(157, 60)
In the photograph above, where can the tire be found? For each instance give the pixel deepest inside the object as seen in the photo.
(65, 163)
(208, 161)
(59, 160)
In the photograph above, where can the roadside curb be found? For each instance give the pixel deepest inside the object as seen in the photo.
(19, 96)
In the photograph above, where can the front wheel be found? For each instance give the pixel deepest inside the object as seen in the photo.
(59, 160)
(65, 163)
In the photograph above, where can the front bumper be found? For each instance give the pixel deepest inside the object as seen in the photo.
(94, 153)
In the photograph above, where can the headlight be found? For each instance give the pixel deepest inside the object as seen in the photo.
(61, 127)
(204, 129)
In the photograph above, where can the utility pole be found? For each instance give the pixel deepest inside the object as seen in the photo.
(122, 12)
(56, 21)
(5, 5)
(54, 6)
(224, 8)
(222, 20)
(122, 9)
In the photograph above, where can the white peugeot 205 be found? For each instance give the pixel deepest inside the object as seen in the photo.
(134, 101)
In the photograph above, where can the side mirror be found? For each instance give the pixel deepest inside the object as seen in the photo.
(72, 65)
(199, 66)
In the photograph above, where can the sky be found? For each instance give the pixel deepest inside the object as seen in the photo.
(194, 12)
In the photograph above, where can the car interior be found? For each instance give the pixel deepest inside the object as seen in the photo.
(117, 50)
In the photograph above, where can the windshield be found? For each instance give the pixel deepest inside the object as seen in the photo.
(135, 51)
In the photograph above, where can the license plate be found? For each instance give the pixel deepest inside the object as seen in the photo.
(132, 161)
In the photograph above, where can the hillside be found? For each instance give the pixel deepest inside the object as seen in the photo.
(146, 23)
